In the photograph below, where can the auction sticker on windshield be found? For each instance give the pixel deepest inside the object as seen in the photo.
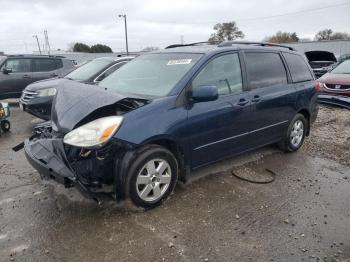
(179, 62)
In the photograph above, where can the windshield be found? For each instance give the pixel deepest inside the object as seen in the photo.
(343, 68)
(151, 74)
(88, 70)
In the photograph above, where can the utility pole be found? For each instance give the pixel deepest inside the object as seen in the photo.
(182, 39)
(126, 33)
(37, 41)
(47, 44)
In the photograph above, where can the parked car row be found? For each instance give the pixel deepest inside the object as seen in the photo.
(37, 97)
(165, 113)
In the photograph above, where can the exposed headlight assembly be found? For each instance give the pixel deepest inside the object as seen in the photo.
(47, 92)
(95, 133)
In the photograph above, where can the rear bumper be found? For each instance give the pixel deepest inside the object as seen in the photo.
(342, 101)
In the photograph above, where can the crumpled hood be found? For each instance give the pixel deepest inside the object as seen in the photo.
(47, 83)
(75, 101)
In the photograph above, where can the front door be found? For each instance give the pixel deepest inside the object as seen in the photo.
(17, 78)
(216, 129)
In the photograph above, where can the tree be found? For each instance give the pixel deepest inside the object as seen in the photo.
(98, 48)
(324, 34)
(80, 47)
(225, 32)
(283, 37)
(340, 36)
(328, 34)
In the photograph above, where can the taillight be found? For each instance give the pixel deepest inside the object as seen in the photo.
(318, 85)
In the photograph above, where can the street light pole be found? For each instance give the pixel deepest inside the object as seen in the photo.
(37, 40)
(126, 34)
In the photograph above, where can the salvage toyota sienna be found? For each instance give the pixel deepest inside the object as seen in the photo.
(167, 113)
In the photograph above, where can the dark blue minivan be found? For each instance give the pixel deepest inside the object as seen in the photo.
(168, 112)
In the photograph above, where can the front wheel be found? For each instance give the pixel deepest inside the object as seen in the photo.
(296, 133)
(153, 176)
(5, 125)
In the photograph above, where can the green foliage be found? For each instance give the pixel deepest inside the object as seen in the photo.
(98, 48)
(283, 37)
(225, 32)
(80, 47)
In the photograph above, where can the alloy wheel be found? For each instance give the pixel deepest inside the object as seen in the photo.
(153, 180)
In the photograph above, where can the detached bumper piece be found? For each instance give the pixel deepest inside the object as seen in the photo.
(48, 157)
(337, 100)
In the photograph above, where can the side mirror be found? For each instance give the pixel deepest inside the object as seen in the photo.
(6, 71)
(204, 93)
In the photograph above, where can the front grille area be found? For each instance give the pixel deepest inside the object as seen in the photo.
(27, 96)
(337, 87)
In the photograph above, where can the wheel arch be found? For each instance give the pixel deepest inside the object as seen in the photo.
(176, 149)
(307, 115)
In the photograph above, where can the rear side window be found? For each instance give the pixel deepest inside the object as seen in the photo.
(265, 69)
(224, 72)
(45, 65)
(297, 66)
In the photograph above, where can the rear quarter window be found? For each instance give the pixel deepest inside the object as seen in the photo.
(265, 69)
(298, 68)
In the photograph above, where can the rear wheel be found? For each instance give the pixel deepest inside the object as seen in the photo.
(153, 176)
(296, 133)
(5, 125)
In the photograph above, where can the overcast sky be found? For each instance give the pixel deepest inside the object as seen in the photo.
(157, 22)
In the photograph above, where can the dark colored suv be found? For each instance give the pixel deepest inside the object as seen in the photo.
(18, 71)
(166, 113)
(37, 97)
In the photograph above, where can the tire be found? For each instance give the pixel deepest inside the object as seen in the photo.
(294, 138)
(152, 176)
(5, 125)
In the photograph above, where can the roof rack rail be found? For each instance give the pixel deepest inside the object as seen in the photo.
(194, 44)
(37, 55)
(230, 43)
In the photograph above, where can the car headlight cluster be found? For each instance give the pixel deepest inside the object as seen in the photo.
(95, 133)
(47, 92)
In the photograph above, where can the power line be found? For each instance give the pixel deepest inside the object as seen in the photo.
(293, 13)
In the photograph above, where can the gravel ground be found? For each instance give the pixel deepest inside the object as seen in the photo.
(330, 135)
(303, 215)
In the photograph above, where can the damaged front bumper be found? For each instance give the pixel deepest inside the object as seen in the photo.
(49, 158)
(338, 100)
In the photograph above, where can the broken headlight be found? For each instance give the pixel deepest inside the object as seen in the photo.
(47, 92)
(95, 133)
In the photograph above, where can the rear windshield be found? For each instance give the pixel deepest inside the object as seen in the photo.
(150, 74)
(343, 68)
(88, 70)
